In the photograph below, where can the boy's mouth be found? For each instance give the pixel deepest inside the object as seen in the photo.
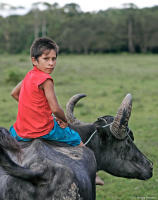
(50, 68)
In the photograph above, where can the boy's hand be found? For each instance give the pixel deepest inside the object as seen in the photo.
(16, 91)
(61, 123)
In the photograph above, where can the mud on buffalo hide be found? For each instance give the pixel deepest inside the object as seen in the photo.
(59, 173)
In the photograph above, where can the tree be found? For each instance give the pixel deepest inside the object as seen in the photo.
(113, 30)
(72, 9)
(130, 14)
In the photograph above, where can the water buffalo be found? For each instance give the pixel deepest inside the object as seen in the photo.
(49, 170)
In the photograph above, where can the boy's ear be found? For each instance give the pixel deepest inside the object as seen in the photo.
(34, 61)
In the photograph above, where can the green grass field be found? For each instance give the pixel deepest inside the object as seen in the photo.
(106, 79)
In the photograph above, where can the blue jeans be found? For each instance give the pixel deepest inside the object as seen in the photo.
(66, 135)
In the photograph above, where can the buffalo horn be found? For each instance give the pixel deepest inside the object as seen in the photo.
(120, 123)
(70, 108)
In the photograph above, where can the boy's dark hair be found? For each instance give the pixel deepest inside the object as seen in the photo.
(40, 45)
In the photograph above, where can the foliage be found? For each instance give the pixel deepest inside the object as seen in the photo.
(113, 30)
(14, 77)
(106, 79)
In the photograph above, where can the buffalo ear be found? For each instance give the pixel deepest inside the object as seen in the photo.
(102, 131)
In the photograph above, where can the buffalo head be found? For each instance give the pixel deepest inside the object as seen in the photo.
(112, 141)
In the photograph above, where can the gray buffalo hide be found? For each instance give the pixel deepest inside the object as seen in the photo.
(64, 173)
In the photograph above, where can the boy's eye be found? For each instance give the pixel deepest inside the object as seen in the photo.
(53, 59)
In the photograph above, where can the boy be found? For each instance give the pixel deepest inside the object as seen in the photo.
(37, 100)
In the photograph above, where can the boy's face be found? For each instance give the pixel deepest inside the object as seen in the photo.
(46, 62)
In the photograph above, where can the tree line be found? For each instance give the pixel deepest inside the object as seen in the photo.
(129, 29)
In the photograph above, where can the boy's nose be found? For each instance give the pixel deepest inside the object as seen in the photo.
(51, 62)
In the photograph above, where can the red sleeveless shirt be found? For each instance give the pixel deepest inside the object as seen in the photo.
(34, 118)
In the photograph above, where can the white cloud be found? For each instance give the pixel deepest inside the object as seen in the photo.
(86, 5)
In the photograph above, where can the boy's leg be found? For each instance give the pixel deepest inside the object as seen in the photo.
(66, 135)
(15, 135)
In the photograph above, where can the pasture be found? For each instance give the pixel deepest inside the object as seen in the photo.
(106, 79)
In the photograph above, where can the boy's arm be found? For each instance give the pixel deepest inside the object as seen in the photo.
(48, 88)
(16, 91)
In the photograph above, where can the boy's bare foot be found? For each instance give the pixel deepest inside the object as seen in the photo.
(98, 180)
(81, 144)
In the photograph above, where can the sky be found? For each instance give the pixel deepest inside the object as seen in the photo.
(86, 5)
